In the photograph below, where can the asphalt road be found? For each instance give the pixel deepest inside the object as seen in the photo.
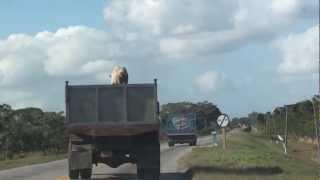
(57, 170)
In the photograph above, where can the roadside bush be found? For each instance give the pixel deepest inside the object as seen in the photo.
(204, 132)
(30, 130)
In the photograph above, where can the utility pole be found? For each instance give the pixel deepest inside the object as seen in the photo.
(318, 123)
(267, 122)
(269, 125)
(274, 126)
(265, 125)
(281, 124)
(286, 131)
(318, 135)
(316, 129)
(315, 99)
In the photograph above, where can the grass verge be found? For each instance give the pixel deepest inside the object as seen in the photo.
(29, 159)
(250, 157)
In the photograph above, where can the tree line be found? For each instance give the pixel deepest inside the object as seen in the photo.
(297, 120)
(30, 130)
(33, 130)
(207, 114)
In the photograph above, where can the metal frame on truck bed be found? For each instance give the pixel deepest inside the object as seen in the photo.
(113, 124)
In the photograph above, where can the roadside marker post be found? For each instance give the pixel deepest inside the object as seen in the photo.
(214, 138)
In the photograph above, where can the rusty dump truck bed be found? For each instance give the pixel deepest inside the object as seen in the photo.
(108, 110)
(108, 129)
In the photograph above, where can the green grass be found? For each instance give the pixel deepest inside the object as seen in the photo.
(251, 157)
(29, 159)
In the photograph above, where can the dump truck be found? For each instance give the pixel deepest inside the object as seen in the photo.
(181, 128)
(113, 124)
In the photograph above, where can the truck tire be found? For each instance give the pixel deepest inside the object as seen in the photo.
(86, 173)
(170, 144)
(139, 171)
(74, 174)
(152, 174)
(193, 143)
(145, 173)
(148, 162)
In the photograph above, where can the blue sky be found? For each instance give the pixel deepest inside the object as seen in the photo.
(24, 16)
(243, 55)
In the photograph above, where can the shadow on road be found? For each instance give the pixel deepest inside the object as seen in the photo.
(163, 176)
(244, 171)
(189, 174)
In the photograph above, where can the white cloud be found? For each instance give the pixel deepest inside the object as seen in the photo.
(284, 6)
(299, 52)
(140, 13)
(74, 47)
(19, 55)
(208, 81)
(30, 65)
(141, 33)
(185, 28)
(96, 66)
(200, 43)
(166, 16)
(71, 51)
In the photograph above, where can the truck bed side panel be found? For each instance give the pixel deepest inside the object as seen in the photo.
(103, 110)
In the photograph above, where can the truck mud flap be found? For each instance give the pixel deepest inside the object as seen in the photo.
(80, 156)
(148, 165)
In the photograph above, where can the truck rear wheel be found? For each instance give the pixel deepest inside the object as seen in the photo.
(139, 171)
(148, 162)
(86, 173)
(145, 173)
(74, 174)
(170, 144)
(193, 143)
(151, 174)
